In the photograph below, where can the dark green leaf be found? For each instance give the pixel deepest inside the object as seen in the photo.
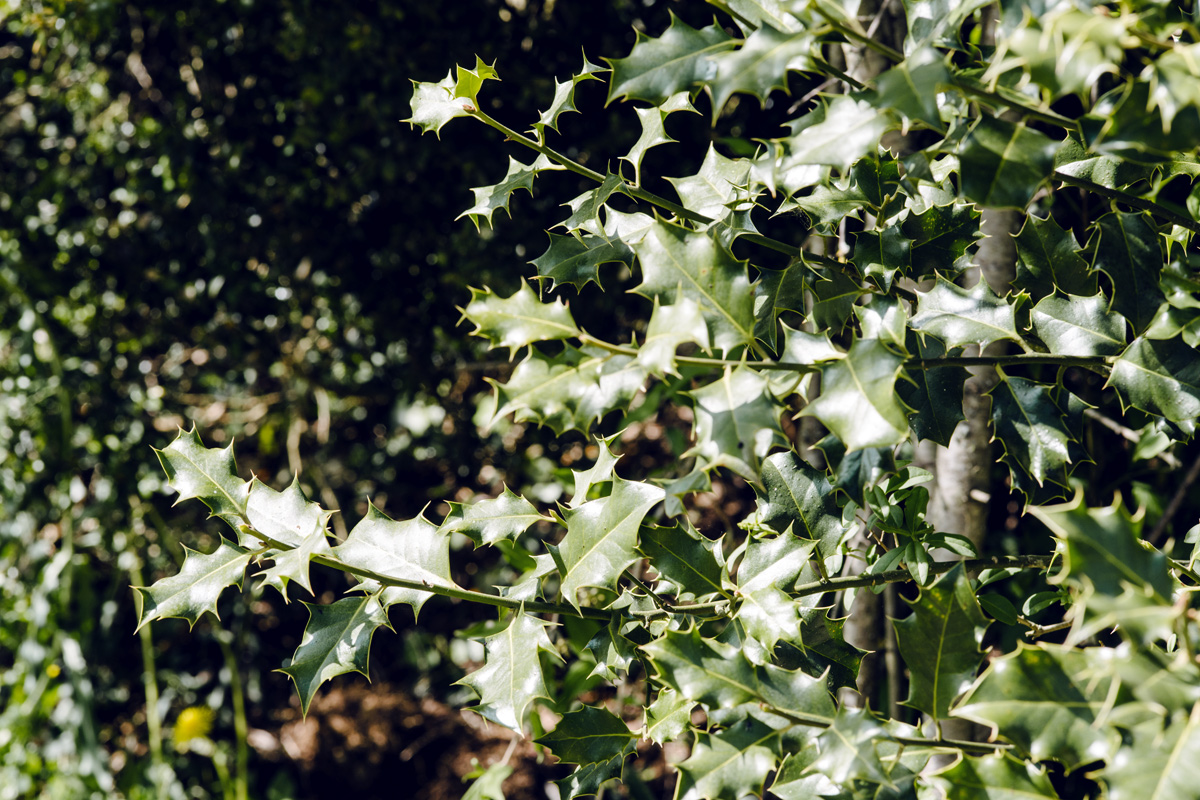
(1049, 260)
(577, 260)
(848, 749)
(761, 65)
(1162, 764)
(684, 557)
(1159, 377)
(490, 199)
(657, 68)
(995, 777)
(1030, 426)
(1127, 251)
(940, 643)
(858, 399)
(587, 736)
(912, 87)
(934, 393)
(960, 317)
(737, 422)
(511, 675)
(564, 99)
(940, 238)
(831, 203)
(731, 764)
(800, 499)
(1079, 326)
(880, 255)
(337, 640)
(1003, 163)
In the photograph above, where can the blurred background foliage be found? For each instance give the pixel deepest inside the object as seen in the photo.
(210, 214)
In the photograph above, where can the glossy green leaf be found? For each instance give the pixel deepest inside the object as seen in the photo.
(1175, 81)
(586, 208)
(678, 263)
(848, 749)
(435, 104)
(587, 736)
(714, 190)
(336, 640)
(602, 536)
(655, 69)
(490, 199)
(935, 394)
(940, 643)
(1048, 260)
(960, 317)
(831, 203)
(1159, 377)
(685, 557)
(767, 612)
(564, 99)
(912, 87)
(796, 780)
(590, 779)
(737, 422)
(511, 676)
(654, 132)
(858, 400)
(1127, 251)
(412, 549)
(940, 237)
(489, 785)
(880, 255)
(995, 777)
(834, 294)
(518, 320)
(1046, 701)
(937, 22)
(489, 521)
(761, 64)
(719, 676)
(207, 474)
(577, 260)
(1079, 326)
(730, 764)
(601, 471)
(1161, 764)
(839, 134)
(570, 390)
(1004, 163)
(291, 518)
(800, 499)
(669, 327)
(614, 653)
(667, 717)
(1030, 426)
(197, 586)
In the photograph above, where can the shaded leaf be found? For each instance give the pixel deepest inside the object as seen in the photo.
(336, 640)
(686, 558)
(858, 400)
(1161, 765)
(995, 777)
(576, 260)
(587, 736)
(940, 643)
(1030, 426)
(489, 785)
(1127, 251)
(880, 255)
(848, 749)
(912, 86)
(937, 22)
(197, 586)
(1004, 163)
(940, 237)
(564, 98)
(935, 394)
(761, 65)
(1048, 260)
(800, 499)
(730, 764)
(511, 675)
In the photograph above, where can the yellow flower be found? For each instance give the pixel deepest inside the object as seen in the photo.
(193, 722)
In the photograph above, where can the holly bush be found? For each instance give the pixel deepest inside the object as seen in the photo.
(819, 273)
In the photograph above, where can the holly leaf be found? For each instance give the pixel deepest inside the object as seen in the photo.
(670, 327)
(1174, 82)
(413, 549)
(800, 499)
(590, 779)
(600, 472)
(511, 676)
(940, 643)
(832, 203)
(207, 474)
(834, 293)
(1003, 164)
(489, 785)
(571, 390)
(912, 87)
(1029, 424)
(588, 736)
(767, 612)
(940, 236)
(602, 537)
(995, 777)
(737, 422)
(937, 22)
(564, 99)
(654, 131)
(613, 651)
(840, 133)
(1079, 326)
(292, 565)
(1047, 701)
(730, 764)
(196, 587)
(880, 255)
(435, 104)
(490, 199)
(1127, 251)
(656, 69)
(796, 779)
(1159, 377)
(713, 191)
(1048, 260)
(518, 320)
(577, 259)
(678, 263)
(719, 676)
(848, 749)
(858, 400)
(960, 317)
(1162, 763)
(290, 518)
(935, 394)
(336, 640)
(490, 521)
(667, 717)
(686, 558)
(761, 65)
(585, 209)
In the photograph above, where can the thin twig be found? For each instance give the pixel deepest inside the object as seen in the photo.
(1036, 630)
(1176, 503)
(1128, 433)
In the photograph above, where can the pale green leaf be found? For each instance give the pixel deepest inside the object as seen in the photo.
(839, 134)
(937, 22)
(1175, 81)
(489, 785)
(737, 422)
(960, 317)
(290, 518)
(848, 749)
(413, 549)
(667, 717)
(761, 64)
(1079, 326)
(1159, 377)
(912, 87)
(336, 640)
(197, 586)
(518, 320)
(489, 521)
(995, 777)
(511, 676)
(490, 199)
(1161, 764)
(858, 400)
(564, 99)
(654, 132)
(208, 474)
(714, 190)
(435, 104)
(671, 326)
(730, 764)
(602, 537)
